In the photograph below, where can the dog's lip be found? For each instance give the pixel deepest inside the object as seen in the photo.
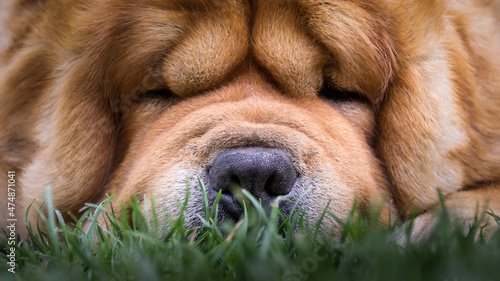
(234, 209)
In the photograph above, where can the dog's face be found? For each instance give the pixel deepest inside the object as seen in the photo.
(329, 102)
(258, 106)
(251, 134)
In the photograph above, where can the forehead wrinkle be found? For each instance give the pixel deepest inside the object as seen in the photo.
(291, 56)
(214, 46)
(360, 35)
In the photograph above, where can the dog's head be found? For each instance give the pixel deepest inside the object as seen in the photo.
(281, 98)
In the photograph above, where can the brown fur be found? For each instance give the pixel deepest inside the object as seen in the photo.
(250, 73)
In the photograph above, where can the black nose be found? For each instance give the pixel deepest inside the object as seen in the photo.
(264, 172)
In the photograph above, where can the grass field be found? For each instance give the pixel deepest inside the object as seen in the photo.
(259, 247)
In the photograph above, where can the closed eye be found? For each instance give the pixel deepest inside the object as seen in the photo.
(162, 94)
(338, 95)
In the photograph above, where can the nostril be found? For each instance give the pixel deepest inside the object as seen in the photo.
(269, 186)
(235, 180)
(274, 187)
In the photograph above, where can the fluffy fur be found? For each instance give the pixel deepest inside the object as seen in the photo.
(78, 114)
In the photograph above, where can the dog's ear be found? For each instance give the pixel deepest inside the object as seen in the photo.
(421, 121)
(61, 129)
(438, 124)
(72, 143)
(420, 134)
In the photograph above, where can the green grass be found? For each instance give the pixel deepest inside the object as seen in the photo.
(259, 247)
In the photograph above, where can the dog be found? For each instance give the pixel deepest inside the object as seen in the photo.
(324, 102)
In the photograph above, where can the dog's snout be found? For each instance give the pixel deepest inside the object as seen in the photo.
(264, 172)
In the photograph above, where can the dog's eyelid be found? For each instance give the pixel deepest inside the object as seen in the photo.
(336, 94)
(157, 94)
